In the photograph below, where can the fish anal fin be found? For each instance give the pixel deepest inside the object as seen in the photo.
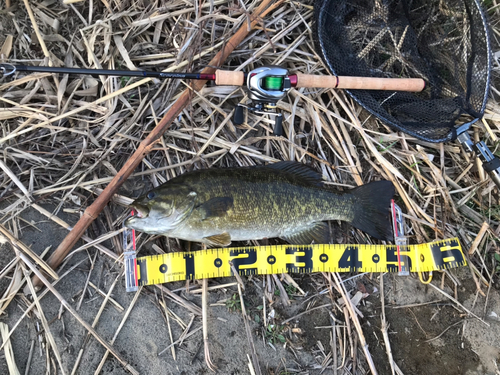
(223, 239)
(216, 207)
(317, 232)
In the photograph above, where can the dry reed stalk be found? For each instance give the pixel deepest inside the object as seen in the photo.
(11, 291)
(75, 314)
(45, 324)
(253, 358)
(384, 326)
(341, 289)
(458, 304)
(178, 342)
(9, 353)
(37, 30)
(479, 238)
(115, 304)
(87, 280)
(180, 301)
(94, 323)
(167, 314)
(124, 319)
(6, 47)
(283, 294)
(30, 356)
(40, 296)
(333, 344)
(204, 306)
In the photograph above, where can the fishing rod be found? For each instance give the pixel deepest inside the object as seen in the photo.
(266, 85)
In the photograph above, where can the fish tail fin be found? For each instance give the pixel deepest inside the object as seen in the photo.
(372, 209)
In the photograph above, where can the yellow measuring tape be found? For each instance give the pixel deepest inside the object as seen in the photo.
(263, 260)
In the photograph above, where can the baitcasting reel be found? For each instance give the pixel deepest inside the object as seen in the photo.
(266, 86)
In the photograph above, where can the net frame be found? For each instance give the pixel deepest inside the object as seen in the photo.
(455, 97)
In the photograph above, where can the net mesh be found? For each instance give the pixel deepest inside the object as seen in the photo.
(444, 42)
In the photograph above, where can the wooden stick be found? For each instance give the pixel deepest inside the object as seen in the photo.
(78, 317)
(147, 144)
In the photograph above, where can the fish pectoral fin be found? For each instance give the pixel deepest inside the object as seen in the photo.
(317, 232)
(223, 239)
(216, 207)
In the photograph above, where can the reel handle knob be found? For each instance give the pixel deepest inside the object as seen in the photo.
(278, 125)
(238, 115)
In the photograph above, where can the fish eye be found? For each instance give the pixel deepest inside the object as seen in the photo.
(151, 195)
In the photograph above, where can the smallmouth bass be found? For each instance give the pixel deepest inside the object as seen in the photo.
(285, 199)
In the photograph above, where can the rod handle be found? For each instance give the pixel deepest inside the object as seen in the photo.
(229, 78)
(361, 83)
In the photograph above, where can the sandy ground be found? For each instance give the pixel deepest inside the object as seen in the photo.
(460, 343)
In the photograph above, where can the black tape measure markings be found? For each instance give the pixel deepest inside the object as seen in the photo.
(261, 260)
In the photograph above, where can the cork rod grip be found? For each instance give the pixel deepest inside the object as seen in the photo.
(362, 83)
(229, 78)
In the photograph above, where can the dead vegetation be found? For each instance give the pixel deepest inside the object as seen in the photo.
(65, 137)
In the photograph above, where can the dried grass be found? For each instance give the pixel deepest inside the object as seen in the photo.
(66, 136)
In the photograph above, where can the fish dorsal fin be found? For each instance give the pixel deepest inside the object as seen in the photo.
(216, 207)
(223, 239)
(317, 232)
(301, 171)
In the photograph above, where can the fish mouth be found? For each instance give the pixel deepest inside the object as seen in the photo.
(140, 211)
